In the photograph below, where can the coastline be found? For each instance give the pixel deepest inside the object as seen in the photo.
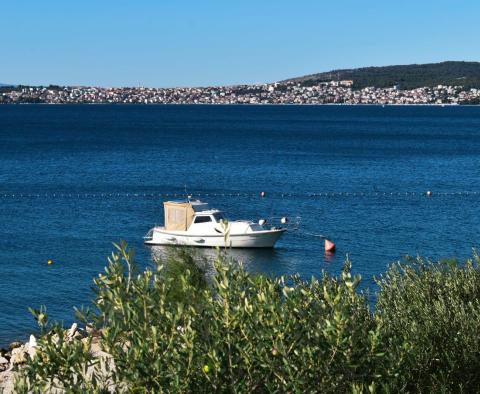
(254, 104)
(340, 92)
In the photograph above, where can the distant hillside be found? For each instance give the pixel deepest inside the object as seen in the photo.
(410, 76)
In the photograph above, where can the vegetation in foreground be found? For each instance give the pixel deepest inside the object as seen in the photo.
(176, 328)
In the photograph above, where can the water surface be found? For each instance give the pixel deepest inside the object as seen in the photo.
(73, 179)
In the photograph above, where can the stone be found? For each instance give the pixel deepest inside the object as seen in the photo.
(32, 341)
(95, 348)
(93, 332)
(77, 335)
(31, 346)
(72, 330)
(6, 382)
(4, 364)
(14, 345)
(19, 355)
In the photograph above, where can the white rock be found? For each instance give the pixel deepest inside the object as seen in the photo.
(3, 360)
(71, 332)
(31, 346)
(18, 355)
(6, 382)
(32, 342)
(32, 351)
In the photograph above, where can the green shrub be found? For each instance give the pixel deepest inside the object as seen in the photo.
(430, 316)
(168, 329)
(182, 326)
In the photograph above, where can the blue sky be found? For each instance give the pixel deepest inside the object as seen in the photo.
(204, 42)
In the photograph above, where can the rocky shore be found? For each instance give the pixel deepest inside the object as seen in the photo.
(14, 358)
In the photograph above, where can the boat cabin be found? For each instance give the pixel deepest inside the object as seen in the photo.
(181, 215)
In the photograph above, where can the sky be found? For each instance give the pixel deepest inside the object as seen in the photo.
(167, 43)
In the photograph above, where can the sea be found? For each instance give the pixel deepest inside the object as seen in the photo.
(76, 178)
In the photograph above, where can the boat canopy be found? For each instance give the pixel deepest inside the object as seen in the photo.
(178, 215)
(199, 206)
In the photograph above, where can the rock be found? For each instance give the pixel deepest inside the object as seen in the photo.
(32, 342)
(72, 330)
(32, 351)
(6, 382)
(95, 348)
(31, 347)
(78, 335)
(93, 332)
(4, 363)
(19, 355)
(14, 345)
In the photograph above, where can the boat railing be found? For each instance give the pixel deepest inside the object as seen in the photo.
(280, 222)
(149, 235)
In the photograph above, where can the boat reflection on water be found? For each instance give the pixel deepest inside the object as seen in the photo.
(256, 260)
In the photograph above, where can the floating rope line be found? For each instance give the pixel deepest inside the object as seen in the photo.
(55, 195)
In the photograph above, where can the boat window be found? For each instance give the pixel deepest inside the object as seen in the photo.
(203, 219)
(219, 217)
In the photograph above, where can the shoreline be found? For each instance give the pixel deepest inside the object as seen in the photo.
(252, 104)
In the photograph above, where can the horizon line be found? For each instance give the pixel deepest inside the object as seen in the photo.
(3, 85)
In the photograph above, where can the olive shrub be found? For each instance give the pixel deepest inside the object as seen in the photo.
(430, 317)
(177, 327)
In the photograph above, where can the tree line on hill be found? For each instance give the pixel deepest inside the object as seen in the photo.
(450, 73)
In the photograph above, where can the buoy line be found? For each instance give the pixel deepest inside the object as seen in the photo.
(261, 195)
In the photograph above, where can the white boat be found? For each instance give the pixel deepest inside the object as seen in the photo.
(193, 223)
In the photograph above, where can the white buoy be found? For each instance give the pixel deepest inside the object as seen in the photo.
(429, 193)
(262, 222)
(284, 220)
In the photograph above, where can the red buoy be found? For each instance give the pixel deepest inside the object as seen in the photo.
(329, 246)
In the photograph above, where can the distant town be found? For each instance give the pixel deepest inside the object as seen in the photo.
(288, 92)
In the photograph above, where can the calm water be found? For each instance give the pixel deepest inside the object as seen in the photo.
(63, 158)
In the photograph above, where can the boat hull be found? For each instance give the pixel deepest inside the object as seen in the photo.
(256, 239)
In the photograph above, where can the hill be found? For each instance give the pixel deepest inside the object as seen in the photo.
(410, 76)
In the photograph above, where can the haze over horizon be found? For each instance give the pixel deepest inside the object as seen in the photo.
(215, 43)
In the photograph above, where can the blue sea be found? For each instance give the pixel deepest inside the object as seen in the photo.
(74, 179)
